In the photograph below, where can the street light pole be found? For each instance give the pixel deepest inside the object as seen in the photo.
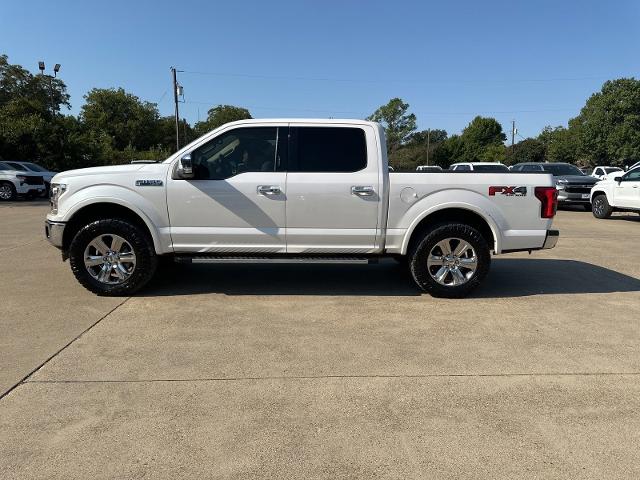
(56, 69)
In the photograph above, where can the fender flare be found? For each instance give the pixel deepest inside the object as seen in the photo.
(493, 226)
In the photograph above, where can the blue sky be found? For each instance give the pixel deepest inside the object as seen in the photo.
(535, 62)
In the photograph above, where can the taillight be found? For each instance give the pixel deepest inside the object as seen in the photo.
(548, 197)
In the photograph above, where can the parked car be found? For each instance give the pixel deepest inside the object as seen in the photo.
(34, 168)
(574, 187)
(293, 190)
(619, 192)
(601, 172)
(479, 167)
(17, 182)
(428, 168)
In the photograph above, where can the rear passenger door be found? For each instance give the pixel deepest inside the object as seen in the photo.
(333, 189)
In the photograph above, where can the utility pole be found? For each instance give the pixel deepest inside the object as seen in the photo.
(513, 136)
(428, 143)
(175, 101)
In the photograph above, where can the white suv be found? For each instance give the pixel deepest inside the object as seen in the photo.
(33, 169)
(620, 192)
(15, 182)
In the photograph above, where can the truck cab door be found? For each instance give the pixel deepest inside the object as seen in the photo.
(235, 201)
(627, 191)
(334, 189)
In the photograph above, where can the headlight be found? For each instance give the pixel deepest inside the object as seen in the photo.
(560, 184)
(55, 191)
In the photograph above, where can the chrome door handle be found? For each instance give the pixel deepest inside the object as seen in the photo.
(362, 190)
(269, 190)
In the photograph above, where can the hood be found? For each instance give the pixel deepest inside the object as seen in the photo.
(577, 179)
(108, 170)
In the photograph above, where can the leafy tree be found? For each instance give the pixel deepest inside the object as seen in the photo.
(218, 116)
(528, 150)
(449, 151)
(608, 126)
(397, 122)
(121, 115)
(560, 144)
(481, 133)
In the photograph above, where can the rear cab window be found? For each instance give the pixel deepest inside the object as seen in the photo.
(327, 149)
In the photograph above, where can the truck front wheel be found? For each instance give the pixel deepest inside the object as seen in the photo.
(600, 207)
(112, 257)
(450, 260)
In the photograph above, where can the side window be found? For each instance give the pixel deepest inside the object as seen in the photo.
(599, 171)
(632, 176)
(516, 168)
(463, 168)
(327, 149)
(251, 149)
(531, 168)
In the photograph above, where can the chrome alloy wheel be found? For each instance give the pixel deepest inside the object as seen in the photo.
(5, 192)
(109, 259)
(452, 262)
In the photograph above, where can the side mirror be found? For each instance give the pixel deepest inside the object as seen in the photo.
(185, 167)
(619, 179)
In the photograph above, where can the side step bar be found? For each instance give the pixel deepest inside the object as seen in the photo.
(274, 259)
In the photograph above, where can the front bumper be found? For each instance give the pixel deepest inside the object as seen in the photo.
(551, 240)
(569, 198)
(54, 232)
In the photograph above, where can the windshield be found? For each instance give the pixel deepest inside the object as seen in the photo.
(559, 169)
(490, 168)
(612, 169)
(34, 167)
(4, 166)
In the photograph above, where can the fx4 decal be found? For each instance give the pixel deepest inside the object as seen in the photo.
(508, 191)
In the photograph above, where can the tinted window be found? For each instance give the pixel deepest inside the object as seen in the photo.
(328, 149)
(490, 168)
(632, 176)
(462, 168)
(516, 168)
(4, 166)
(557, 169)
(35, 167)
(612, 169)
(237, 151)
(17, 166)
(531, 168)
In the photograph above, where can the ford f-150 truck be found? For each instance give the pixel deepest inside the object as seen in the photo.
(294, 190)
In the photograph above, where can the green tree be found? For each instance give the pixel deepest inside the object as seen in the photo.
(527, 150)
(129, 121)
(31, 127)
(560, 144)
(608, 126)
(398, 124)
(480, 134)
(218, 116)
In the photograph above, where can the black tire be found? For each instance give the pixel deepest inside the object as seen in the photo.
(587, 207)
(146, 259)
(8, 191)
(421, 249)
(600, 206)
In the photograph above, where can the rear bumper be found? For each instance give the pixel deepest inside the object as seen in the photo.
(54, 232)
(551, 240)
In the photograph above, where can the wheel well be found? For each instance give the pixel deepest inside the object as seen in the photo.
(99, 211)
(599, 192)
(452, 215)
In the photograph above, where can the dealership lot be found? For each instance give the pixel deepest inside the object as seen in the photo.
(300, 371)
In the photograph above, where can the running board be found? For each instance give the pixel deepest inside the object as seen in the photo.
(274, 259)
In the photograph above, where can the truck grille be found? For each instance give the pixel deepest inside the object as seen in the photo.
(578, 188)
(33, 180)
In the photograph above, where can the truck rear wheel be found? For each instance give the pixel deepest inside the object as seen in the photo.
(450, 260)
(112, 257)
(600, 207)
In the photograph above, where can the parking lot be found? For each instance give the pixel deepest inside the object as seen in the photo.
(332, 371)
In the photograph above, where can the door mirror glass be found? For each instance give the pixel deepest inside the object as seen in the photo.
(185, 167)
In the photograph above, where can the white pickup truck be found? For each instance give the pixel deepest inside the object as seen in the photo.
(294, 190)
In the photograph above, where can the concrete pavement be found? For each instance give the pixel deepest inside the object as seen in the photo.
(254, 371)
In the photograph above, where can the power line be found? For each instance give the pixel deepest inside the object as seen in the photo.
(363, 113)
(395, 80)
